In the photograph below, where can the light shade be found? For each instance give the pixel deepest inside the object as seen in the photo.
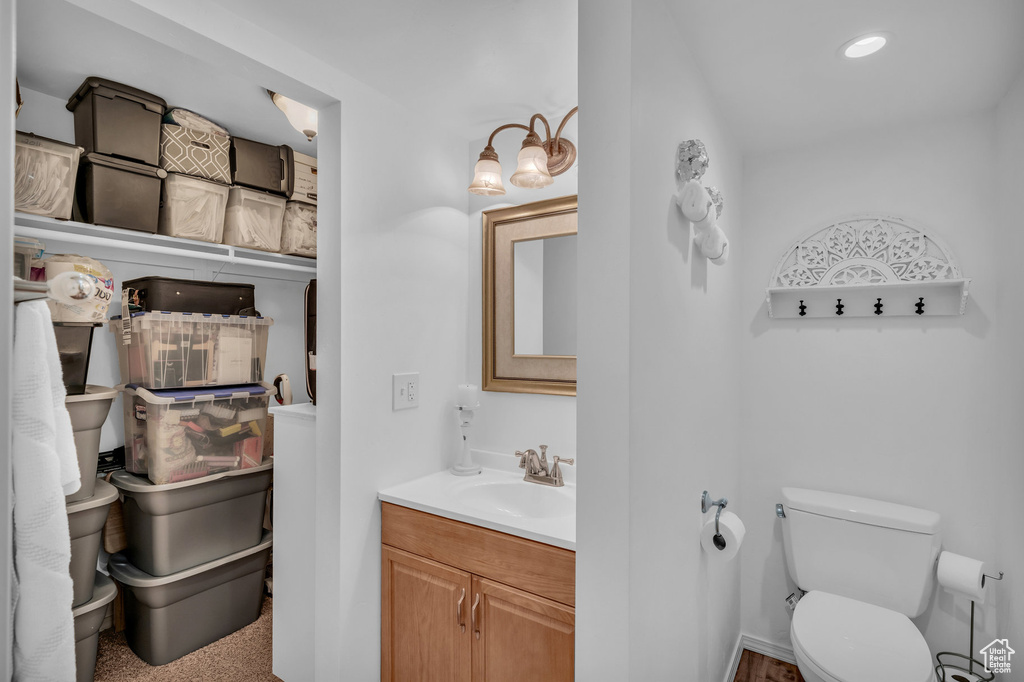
(532, 172)
(302, 117)
(487, 178)
(864, 46)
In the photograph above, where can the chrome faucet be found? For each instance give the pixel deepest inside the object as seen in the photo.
(537, 467)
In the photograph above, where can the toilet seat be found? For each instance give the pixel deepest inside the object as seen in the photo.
(845, 640)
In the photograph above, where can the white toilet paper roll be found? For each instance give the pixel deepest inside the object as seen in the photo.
(732, 530)
(961, 575)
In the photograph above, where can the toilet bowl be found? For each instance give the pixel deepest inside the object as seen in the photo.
(837, 639)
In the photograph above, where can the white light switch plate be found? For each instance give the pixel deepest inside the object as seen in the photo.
(405, 390)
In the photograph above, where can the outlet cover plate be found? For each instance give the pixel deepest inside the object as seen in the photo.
(405, 390)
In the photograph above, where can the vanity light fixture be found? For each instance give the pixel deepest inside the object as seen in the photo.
(302, 117)
(863, 46)
(538, 163)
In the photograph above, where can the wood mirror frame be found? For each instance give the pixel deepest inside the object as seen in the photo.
(502, 369)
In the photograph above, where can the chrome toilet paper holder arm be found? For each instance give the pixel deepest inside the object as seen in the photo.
(706, 503)
(990, 577)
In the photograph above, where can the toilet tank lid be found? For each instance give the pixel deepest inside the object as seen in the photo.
(862, 510)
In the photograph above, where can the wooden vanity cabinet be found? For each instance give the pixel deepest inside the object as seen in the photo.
(514, 622)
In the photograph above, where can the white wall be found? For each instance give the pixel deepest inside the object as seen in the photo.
(683, 380)
(507, 422)
(1007, 497)
(560, 299)
(900, 409)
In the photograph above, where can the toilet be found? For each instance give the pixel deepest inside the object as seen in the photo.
(867, 568)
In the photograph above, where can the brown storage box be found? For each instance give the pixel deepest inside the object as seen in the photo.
(117, 120)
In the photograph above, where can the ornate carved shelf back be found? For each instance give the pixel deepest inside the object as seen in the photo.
(867, 266)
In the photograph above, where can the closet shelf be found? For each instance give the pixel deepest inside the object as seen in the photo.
(42, 228)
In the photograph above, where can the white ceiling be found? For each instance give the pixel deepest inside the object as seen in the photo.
(773, 68)
(475, 63)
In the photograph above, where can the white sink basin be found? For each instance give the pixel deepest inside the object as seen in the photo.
(496, 499)
(518, 499)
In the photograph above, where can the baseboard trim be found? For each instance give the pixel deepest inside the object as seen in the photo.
(758, 646)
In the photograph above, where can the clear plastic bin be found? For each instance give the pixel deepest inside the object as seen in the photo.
(299, 234)
(193, 208)
(181, 434)
(180, 350)
(26, 250)
(44, 176)
(254, 219)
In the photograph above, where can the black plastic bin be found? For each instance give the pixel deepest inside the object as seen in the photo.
(74, 345)
(189, 296)
(263, 166)
(117, 120)
(118, 193)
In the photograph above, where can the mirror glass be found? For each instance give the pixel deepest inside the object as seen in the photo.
(545, 296)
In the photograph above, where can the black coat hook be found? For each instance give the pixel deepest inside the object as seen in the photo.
(839, 306)
(803, 308)
(920, 305)
(878, 307)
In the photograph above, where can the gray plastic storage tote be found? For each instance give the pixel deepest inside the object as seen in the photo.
(88, 411)
(85, 521)
(88, 620)
(168, 617)
(176, 526)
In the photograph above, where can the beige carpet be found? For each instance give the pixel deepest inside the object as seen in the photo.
(244, 656)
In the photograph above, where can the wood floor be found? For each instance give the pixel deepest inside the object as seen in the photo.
(760, 668)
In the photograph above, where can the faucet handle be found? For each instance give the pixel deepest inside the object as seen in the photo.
(522, 458)
(556, 472)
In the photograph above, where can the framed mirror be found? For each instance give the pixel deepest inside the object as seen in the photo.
(529, 298)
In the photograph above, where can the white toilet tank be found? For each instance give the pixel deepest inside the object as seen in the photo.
(877, 552)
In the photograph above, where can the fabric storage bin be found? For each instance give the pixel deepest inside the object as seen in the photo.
(183, 434)
(305, 179)
(85, 521)
(178, 350)
(117, 120)
(189, 296)
(44, 176)
(193, 208)
(298, 234)
(173, 527)
(194, 152)
(74, 345)
(254, 220)
(88, 412)
(190, 119)
(88, 621)
(170, 616)
(262, 166)
(118, 193)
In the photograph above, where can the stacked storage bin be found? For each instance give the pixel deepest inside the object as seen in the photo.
(119, 178)
(263, 176)
(195, 484)
(195, 152)
(299, 234)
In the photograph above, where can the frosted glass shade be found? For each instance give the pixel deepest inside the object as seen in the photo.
(487, 178)
(532, 172)
(302, 117)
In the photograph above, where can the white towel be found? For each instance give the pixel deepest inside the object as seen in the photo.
(45, 468)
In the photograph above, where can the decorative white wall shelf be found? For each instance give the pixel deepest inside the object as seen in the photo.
(867, 266)
(42, 228)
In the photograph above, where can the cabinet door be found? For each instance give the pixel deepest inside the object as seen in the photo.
(425, 632)
(519, 636)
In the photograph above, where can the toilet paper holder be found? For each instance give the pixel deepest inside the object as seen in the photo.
(706, 503)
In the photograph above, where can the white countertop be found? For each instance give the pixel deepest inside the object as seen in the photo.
(442, 494)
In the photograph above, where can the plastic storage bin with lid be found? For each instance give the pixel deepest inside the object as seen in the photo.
(176, 350)
(180, 434)
(118, 193)
(114, 119)
(254, 219)
(44, 176)
(193, 208)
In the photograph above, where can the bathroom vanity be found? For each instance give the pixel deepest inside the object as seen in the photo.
(462, 601)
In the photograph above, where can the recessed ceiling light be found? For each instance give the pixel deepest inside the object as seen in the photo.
(864, 45)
